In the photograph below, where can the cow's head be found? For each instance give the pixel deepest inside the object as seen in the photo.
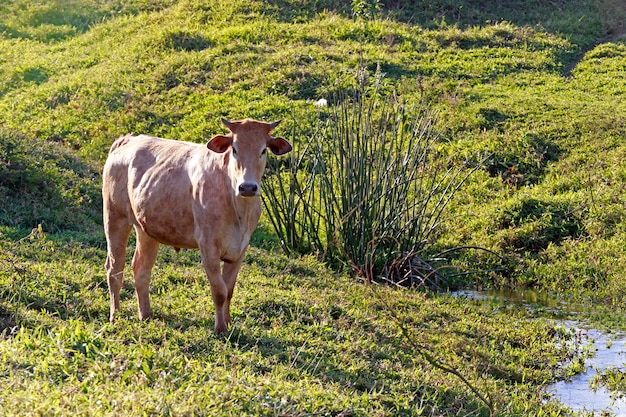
(247, 144)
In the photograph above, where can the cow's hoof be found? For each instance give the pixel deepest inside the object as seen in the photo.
(221, 329)
(145, 314)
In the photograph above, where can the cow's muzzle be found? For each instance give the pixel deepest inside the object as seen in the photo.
(248, 189)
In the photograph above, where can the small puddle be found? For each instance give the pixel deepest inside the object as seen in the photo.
(608, 350)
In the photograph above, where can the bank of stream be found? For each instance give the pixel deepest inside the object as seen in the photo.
(606, 350)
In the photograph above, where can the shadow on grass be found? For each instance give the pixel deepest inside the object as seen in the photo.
(43, 183)
(56, 20)
(7, 321)
(583, 22)
(367, 371)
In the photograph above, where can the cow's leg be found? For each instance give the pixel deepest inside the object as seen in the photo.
(229, 275)
(219, 289)
(143, 261)
(117, 233)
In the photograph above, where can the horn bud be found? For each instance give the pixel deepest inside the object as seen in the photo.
(227, 123)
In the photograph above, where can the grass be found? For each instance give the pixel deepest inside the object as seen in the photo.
(305, 342)
(529, 94)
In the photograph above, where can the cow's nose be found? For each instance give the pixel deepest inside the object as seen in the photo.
(248, 189)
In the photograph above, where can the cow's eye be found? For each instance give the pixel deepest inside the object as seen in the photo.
(264, 151)
(234, 151)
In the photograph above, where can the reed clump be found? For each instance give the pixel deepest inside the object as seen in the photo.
(368, 189)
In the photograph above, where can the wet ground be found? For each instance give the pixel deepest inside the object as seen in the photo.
(607, 350)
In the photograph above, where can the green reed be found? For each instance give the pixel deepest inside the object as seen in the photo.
(368, 188)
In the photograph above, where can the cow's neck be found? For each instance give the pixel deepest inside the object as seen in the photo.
(247, 210)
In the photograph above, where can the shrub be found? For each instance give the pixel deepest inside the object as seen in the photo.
(367, 189)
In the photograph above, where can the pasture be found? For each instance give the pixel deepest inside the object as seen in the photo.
(527, 97)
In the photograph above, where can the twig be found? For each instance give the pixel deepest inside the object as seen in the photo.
(430, 357)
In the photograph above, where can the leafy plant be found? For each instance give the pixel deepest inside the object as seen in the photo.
(366, 9)
(612, 379)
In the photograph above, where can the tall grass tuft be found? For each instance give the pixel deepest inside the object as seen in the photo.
(367, 189)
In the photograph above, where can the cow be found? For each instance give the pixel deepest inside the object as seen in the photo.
(185, 195)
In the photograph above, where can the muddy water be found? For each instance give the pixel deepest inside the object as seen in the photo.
(608, 350)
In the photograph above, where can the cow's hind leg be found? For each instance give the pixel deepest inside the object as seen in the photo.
(143, 261)
(117, 239)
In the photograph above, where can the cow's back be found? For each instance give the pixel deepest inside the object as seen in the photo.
(147, 183)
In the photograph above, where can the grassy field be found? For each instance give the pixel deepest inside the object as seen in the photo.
(528, 93)
(304, 342)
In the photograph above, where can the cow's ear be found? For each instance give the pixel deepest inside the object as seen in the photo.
(220, 143)
(279, 146)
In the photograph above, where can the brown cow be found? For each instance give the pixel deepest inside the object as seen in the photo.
(187, 196)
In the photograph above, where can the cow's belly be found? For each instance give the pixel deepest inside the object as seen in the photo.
(173, 230)
(166, 217)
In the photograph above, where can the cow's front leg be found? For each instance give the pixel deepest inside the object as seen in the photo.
(219, 289)
(229, 275)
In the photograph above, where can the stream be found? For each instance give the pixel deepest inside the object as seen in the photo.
(608, 350)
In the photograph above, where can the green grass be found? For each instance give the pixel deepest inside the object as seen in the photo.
(530, 93)
(612, 379)
(304, 342)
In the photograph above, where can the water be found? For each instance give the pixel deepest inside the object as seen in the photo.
(576, 393)
(609, 351)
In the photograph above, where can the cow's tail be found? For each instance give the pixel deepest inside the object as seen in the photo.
(121, 141)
